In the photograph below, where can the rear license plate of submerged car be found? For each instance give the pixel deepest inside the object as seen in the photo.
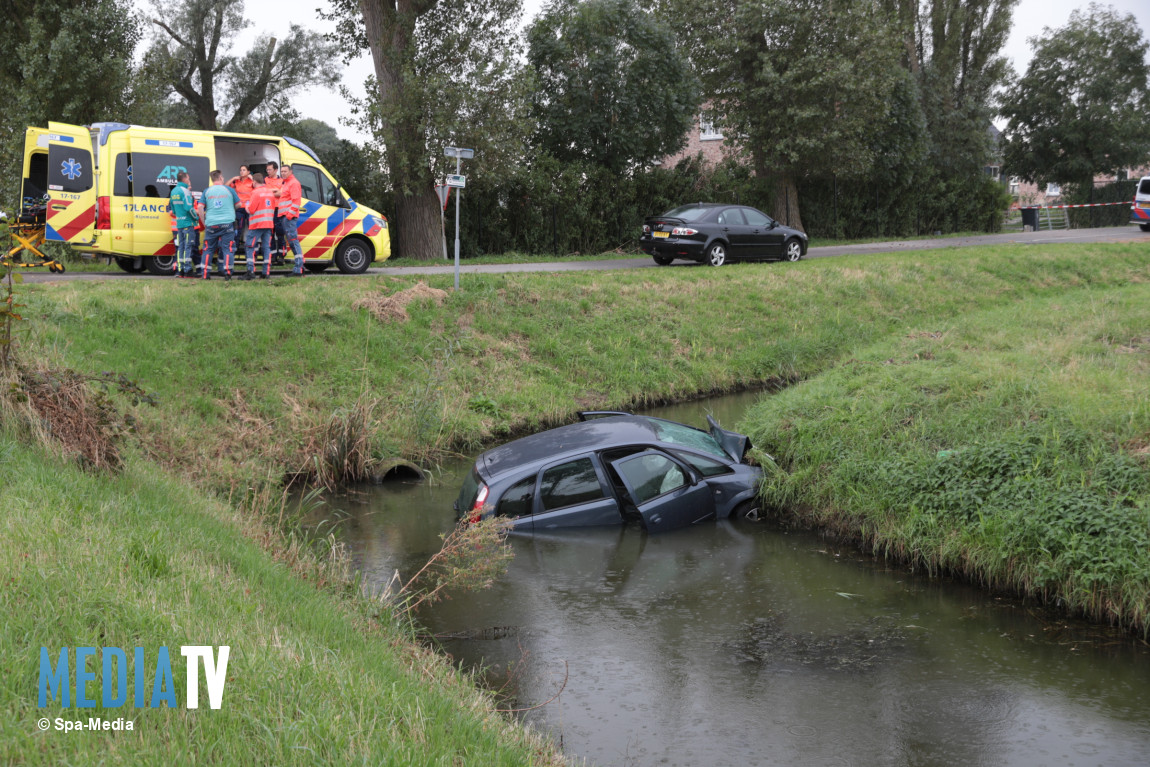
(661, 234)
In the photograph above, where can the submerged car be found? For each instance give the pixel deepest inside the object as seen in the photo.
(716, 234)
(612, 468)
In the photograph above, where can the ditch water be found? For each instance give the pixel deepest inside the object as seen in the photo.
(745, 644)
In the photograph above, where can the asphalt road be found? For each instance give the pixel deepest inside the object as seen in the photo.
(1108, 234)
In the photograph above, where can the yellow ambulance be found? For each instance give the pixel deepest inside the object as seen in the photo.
(104, 190)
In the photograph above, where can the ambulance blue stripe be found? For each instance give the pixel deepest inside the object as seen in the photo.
(51, 235)
(308, 208)
(157, 142)
(335, 219)
(58, 137)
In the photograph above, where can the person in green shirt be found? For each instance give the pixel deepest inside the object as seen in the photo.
(183, 209)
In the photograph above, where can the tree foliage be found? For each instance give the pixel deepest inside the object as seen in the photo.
(1081, 108)
(805, 84)
(954, 50)
(193, 48)
(64, 60)
(447, 72)
(611, 86)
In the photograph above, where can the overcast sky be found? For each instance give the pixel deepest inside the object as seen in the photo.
(274, 16)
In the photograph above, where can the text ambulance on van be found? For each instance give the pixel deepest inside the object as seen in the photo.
(108, 184)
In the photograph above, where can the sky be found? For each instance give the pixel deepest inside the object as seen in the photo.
(274, 16)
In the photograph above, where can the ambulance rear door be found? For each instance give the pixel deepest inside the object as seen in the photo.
(71, 213)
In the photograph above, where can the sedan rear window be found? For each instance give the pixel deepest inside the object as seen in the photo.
(470, 491)
(677, 434)
(1143, 186)
(688, 212)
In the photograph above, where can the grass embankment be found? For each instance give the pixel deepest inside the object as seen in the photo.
(1009, 444)
(258, 379)
(143, 560)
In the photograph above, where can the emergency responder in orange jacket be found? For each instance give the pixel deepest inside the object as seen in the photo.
(288, 215)
(261, 209)
(273, 180)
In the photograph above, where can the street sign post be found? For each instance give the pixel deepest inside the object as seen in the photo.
(458, 182)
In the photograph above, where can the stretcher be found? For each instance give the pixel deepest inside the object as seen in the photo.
(27, 236)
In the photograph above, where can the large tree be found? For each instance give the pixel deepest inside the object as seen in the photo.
(64, 60)
(805, 84)
(1081, 108)
(223, 89)
(447, 72)
(612, 88)
(954, 49)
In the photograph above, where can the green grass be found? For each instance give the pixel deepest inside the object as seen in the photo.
(249, 374)
(1008, 444)
(512, 258)
(143, 560)
(1028, 364)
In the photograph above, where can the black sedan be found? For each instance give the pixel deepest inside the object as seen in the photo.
(715, 234)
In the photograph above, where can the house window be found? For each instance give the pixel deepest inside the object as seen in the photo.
(993, 171)
(707, 130)
(1053, 190)
(1014, 183)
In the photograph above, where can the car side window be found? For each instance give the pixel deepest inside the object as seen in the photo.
(519, 499)
(308, 179)
(755, 218)
(731, 216)
(708, 467)
(330, 192)
(569, 484)
(651, 475)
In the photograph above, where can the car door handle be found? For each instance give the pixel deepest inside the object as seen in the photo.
(726, 229)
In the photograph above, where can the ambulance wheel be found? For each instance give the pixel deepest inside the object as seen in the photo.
(130, 265)
(317, 268)
(161, 266)
(353, 256)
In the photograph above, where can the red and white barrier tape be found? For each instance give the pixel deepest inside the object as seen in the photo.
(1084, 205)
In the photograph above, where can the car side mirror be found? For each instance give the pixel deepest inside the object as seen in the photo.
(773, 224)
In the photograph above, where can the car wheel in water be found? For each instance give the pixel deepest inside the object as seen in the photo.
(353, 256)
(747, 510)
(161, 266)
(663, 260)
(717, 254)
(793, 250)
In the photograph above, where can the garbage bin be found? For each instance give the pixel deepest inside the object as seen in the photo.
(1030, 218)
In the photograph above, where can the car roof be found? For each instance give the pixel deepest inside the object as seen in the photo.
(555, 444)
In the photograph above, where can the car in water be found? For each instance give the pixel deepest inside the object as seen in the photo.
(613, 468)
(715, 234)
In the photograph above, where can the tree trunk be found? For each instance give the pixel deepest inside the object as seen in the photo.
(389, 28)
(785, 206)
(417, 233)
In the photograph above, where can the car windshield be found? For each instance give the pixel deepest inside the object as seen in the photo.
(678, 434)
(688, 212)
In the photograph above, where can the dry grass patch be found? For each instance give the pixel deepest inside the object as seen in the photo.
(393, 308)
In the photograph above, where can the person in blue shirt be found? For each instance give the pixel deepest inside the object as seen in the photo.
(183, 208)
(220, 202)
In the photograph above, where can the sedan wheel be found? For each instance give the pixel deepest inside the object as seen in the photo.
(794, 250)
(717, 255)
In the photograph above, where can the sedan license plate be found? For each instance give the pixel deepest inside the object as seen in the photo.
(661, 234)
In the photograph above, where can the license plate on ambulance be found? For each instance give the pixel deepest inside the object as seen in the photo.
(661, 234)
